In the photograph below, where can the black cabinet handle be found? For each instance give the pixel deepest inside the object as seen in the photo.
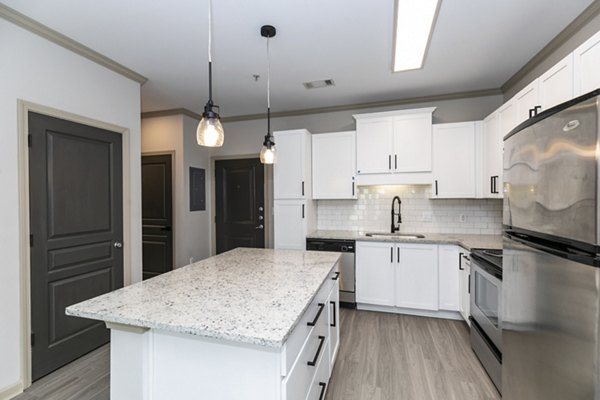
(469, 285)
(536, 109)
(460, 256)
(334, 316)
(352, 188)
(337, 275)
(390, 161)
(302, 188)
(323, 386)
(314, 321)
(314, 361)
(395, 161)
(531, 112)
(391, 254)
(491, 184)
(302, 211)
(398, 255)
(436, 188)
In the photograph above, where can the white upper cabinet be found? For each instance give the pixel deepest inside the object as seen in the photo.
(556, 84)
(394, 142)
(492, 144)
(454, 160)
(292, 170)
(334, 165)
(586, 64)
(374, 145)
(525, 101)
(412, 142)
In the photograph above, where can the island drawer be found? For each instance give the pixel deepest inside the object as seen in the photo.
(318, 388)
(299, 335)
(313, 357)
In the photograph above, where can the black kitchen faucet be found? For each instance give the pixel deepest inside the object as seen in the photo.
(399, 214)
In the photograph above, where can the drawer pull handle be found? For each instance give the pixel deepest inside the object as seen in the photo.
(334, 316)
(323, 387)
(314, 361)
(314, 321)
(337, 275)
(460, 257)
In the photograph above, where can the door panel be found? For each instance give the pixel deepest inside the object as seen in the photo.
(412, 143)
(239, 204)
(157, 215)
(374, 146)
(375, 273)
(417, 277)
(76, 216)
(289, 219)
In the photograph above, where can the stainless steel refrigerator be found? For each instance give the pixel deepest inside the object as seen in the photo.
(551, 275)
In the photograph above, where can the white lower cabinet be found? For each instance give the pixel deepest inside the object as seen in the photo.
(416, 276)
(334, 325)
(293, 220)
(412, 278)
(464, 287)
(449, 277)
(375, 273)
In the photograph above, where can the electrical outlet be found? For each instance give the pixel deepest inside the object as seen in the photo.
(191, 260)
(462, 218)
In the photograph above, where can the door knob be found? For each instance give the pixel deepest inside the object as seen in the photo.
(261, 226)
(118, 245)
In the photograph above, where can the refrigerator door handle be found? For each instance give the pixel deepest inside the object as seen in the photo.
(562, 251)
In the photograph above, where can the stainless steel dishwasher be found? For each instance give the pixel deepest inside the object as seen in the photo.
(347, 271)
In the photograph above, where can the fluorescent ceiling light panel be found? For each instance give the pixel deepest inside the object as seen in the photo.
(414, 23)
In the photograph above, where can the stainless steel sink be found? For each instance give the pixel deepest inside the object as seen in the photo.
(395, 235)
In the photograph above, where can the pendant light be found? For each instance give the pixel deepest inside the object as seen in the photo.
(210, 131)
(267, 153)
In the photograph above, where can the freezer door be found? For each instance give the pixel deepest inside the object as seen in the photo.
(550, 175)
(550, 326)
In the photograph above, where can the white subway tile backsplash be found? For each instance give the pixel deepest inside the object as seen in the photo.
(371, 212)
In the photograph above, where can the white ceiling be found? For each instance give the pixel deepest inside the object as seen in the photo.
(476, 45)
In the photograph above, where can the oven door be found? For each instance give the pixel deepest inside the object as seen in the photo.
(486, 302)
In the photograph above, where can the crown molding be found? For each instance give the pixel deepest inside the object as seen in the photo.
(41, 30)
(582, 19)
(356, 106)
(170, 112)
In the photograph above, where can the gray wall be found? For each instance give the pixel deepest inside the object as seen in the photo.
(580, 36)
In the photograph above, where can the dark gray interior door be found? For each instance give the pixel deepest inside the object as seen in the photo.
(239, 204)
(157, 215)
(76, 224)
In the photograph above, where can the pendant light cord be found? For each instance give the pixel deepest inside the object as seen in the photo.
(210, 51)
(268, 89)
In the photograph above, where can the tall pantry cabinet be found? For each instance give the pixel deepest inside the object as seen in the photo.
(294, 211)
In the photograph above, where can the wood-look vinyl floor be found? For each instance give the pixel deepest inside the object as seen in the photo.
(381, 357)
(402, 357)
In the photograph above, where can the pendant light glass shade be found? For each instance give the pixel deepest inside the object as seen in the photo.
(210, 131)
(267, 153)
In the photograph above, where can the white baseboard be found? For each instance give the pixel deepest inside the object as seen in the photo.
(11, 391)
(411, 311)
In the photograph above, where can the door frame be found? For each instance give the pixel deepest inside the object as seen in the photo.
(173, 155)
(23, 109)
(268, 190)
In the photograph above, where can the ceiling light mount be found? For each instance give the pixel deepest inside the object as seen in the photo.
(268, 31)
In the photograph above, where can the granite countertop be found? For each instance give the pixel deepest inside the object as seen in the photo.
(252, 296)
(467, 241)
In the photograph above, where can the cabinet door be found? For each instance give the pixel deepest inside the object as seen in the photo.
(288, 171)
(289, 223)
(417, 276)
(464, 288)
(375, 273)
(449, 277)
(492, 154)
(412, 143)
(454, 160)
(526, 99)
(374, 145)
(585, 64)
(334, 165)
(506, 123)
(556, 85)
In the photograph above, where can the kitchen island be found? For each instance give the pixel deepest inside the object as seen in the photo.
(246, 324)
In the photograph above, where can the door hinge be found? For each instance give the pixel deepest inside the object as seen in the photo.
(29, 140)
(31, 240)
(32, 339)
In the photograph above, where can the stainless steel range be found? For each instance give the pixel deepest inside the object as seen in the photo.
(486, 311)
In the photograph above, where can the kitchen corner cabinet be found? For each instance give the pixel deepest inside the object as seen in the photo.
(394, 141)
(293, 220)
(292, 170)
(454, 160)
(334, 165)
(585, 65)
(449, 277)
(397, 275)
